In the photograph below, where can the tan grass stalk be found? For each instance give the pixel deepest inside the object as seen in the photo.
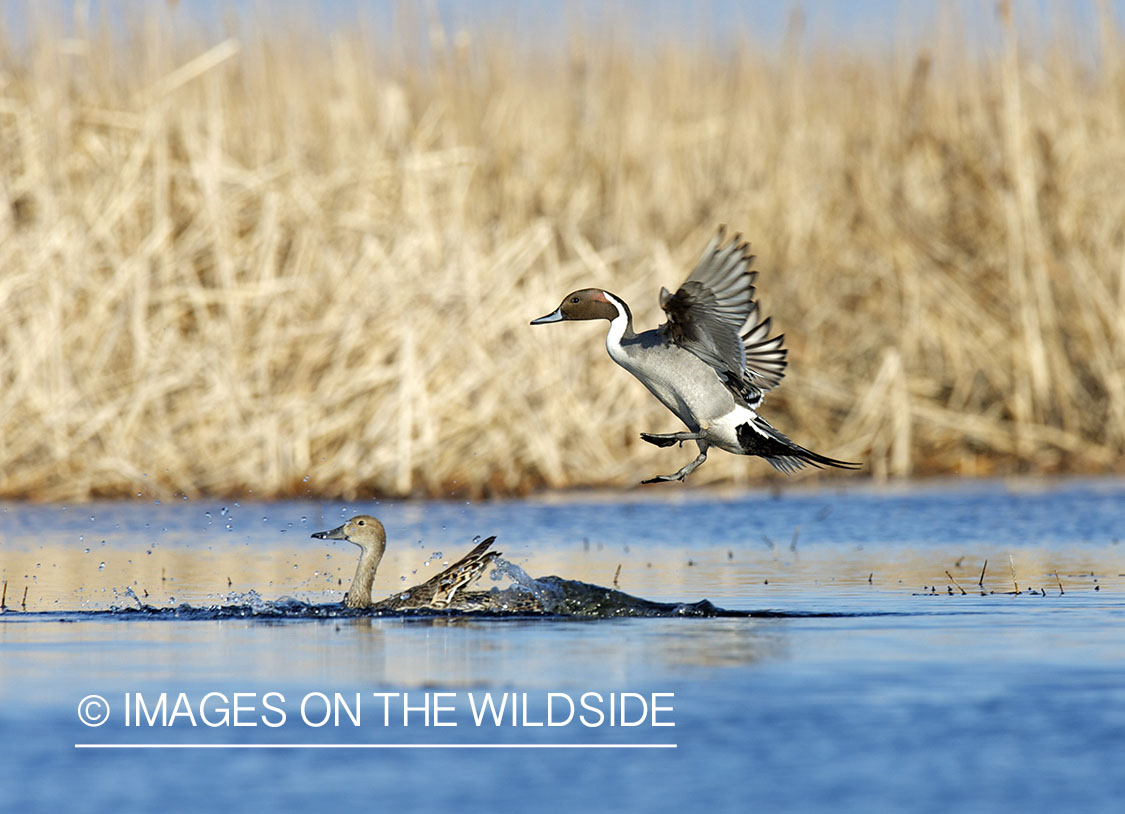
(302, 265)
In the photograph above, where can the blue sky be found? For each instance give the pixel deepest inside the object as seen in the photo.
(841, 24)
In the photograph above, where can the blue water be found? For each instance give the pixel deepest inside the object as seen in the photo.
(866, 680)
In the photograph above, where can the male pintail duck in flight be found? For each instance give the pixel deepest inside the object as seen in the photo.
(440, 592)
(711, 363)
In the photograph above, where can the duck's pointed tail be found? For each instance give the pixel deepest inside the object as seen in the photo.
(759, 438)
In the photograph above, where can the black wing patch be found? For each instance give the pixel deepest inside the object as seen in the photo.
(714, 316)
(708, 312)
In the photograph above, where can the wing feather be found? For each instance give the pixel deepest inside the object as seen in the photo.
(714, 315)
(766, 357)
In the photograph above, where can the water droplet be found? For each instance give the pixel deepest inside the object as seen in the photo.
(101, 567)
(86, 550)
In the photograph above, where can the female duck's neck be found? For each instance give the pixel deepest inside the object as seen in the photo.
(359, 595)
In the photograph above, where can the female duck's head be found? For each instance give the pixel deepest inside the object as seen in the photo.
(363, 530)
(368, 533)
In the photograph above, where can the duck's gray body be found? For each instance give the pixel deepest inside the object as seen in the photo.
(711, 363)
(683, 383)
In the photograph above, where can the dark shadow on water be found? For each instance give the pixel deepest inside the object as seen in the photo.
(555, 598)
(566, 600)
(299, 610)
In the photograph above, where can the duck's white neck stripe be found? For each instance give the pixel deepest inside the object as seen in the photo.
(617, 326)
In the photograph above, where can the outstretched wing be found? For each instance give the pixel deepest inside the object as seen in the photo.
(709, 310)
(714, 315)
(441, 590)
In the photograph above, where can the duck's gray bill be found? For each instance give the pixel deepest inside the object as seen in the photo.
(335, 534)
(553, 317)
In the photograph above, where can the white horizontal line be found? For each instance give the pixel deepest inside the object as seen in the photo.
(375, 746)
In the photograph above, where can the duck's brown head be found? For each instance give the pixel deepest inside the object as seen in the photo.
(586, 303)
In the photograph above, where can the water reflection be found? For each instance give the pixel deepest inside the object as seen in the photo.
(747, 551)
(59, 578)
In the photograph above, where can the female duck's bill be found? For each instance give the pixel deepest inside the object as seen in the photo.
(345, 531)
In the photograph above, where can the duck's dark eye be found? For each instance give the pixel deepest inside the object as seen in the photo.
(360, 522)
(574, 300)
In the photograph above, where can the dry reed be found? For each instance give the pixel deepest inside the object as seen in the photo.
(277, 262)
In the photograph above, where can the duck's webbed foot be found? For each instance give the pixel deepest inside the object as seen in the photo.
(684, 472)
(667, 439)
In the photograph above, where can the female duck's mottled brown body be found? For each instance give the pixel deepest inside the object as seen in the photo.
(442, 592)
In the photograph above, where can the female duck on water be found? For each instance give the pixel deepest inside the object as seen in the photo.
(447, 591)
(441, 592)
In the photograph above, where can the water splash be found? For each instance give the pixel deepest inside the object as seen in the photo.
(129, 594)
(250, 599)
